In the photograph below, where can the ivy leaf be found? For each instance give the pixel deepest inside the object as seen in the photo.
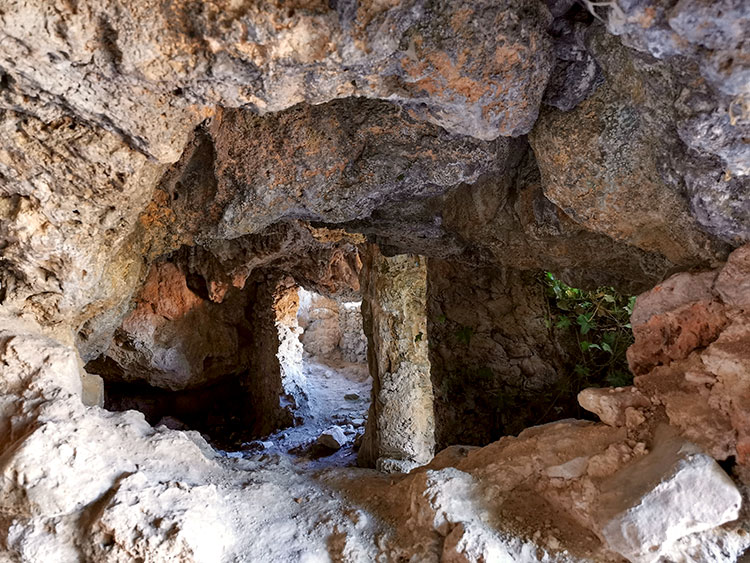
(585, 322)
(563, 323)
(606, 347)
(630, 306)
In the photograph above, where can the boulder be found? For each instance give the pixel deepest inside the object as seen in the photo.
(673, 491)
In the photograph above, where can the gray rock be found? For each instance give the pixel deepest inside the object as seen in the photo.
(333, 438)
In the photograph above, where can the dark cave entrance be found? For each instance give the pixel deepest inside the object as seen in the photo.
(267, 366)
(241, 370)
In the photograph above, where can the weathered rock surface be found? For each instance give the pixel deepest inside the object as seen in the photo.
(333, 438)
(400, 424)
(673, 491)
(614, 139)
(525, 498)
(165, 168)
(153, 79)
(692, 355)
(510, 218)
(335, 162)
(611, 404)
(491, 354)
(332, 329)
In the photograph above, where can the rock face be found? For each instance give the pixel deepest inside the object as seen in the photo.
(176, 340)
(690, 357)
(275, 57)
(171, 172)
(491, 353)
(618, 140)
(400, 424)
(332, 329)
(511, 218)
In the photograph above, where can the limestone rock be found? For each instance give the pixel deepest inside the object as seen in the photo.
(588, 155)
(733, 281)
(353, 342)
(400, 423)
(610, 404)
(153, 81)
(673, 293)
(365, 152)
(673, 491)
(673, 335)
(491, 354)
(174, 339)
(333, 438)
(692, 356)
(319, 318)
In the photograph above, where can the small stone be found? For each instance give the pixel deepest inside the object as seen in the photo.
(569, 470)
(333, 438)
(610, 406)
(358, 422)
(351, 396)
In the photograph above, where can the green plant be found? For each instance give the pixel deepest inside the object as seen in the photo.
(599, 320)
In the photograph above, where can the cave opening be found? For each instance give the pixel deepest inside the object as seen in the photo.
(262, 367)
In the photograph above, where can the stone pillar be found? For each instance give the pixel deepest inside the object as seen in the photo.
(400, 425)
(263, 381)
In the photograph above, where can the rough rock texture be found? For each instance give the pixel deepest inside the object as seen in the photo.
(319, 318)
(175, 162)
(332, 329)
(266, 391)
(335, 162)
(70, 195)
(614, 139)
(83, 483)
(610, 404)
(400, 424)
(674, 491)
(492, 357)
(691, 356)
(510, 218)
(538, 496)
(153, 74)
(176, 340)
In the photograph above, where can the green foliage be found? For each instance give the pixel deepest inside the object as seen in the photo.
(600, 321)
(418, 337)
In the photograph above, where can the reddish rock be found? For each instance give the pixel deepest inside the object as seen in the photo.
(673, 335)
(681, 289)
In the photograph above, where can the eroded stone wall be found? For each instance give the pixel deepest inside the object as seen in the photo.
(496, 366)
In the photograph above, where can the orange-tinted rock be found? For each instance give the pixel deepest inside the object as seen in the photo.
(673, 335)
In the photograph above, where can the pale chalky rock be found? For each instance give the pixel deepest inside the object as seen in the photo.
(673, 491)
(333, 438)
(610, 403)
